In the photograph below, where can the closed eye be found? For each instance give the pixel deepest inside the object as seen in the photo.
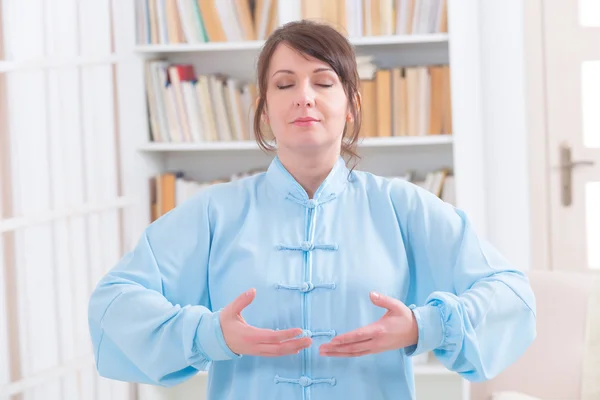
(284, 86)
(326, 86)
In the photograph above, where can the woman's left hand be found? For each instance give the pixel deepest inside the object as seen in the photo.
(395, 330)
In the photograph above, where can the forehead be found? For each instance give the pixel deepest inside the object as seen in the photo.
(285, 57)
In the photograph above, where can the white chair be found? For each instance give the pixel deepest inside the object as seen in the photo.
(563, 363)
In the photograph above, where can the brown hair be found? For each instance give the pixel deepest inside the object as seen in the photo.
(326, 44)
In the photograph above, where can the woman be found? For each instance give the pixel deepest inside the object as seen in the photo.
(311, 280)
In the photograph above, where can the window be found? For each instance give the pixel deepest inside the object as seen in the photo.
(589, 13)
(590, 98)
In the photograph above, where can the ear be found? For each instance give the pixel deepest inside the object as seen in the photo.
(264, 116)
(358, 100)
(357, 103)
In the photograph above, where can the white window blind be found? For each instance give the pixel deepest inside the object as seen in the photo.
(61, 176)
(4, 366)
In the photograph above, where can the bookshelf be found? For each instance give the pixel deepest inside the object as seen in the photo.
(362, 44)
(460, 150)
(388, 50)
(248, 145)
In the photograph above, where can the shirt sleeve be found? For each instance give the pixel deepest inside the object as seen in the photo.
(474, 311)
(149, 317)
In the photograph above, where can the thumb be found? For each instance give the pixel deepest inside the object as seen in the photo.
(242, 301)
(384, 301)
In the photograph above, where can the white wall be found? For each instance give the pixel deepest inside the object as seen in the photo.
(506, 169)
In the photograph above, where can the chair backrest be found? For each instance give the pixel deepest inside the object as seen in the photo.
(552, 367)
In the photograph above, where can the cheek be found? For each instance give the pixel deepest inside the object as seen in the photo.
(336, 108)
(272, 111)
(278, 105)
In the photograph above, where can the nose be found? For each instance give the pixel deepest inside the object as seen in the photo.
(309, 103)
(306, 98)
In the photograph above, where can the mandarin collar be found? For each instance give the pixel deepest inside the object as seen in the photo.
(287, 186)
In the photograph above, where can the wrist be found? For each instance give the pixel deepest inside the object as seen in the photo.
(430, 329)
(413, 333)
(210, 339)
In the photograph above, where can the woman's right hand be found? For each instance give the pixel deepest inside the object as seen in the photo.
(242, 338)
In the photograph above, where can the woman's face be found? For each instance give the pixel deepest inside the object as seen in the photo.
(306, 104)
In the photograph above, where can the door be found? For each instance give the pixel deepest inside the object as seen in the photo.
(572, 61)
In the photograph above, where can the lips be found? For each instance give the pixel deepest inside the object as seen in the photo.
(303, 120)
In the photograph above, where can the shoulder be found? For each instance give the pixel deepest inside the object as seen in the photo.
(232, 190)
(407, 199)
(203, 208)
(392, 188)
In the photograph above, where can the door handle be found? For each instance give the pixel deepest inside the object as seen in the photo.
(566, 173)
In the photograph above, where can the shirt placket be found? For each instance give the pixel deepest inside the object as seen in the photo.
(307, 247)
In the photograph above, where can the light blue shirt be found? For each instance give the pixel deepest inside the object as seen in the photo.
(154, 318)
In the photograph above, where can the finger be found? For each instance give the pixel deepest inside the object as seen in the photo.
(260, 335)
(370, 331)
(242, 301)
(284, 348)
(356, 347)
(381, 300)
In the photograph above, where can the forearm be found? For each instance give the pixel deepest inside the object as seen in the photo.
(139, 335)
(481, 331)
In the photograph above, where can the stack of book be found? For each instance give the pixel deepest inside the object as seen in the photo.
(405, 101)
(360, 18)
(161, 22)
(186, 107)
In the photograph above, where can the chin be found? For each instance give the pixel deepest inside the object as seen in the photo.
(302, 139)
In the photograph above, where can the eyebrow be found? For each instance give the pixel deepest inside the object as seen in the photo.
(287, 71)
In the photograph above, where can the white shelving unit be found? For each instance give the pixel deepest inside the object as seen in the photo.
(462, 151)
(365, 143)
(429, 43)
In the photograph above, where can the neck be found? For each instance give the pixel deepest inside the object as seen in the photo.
(309, 170)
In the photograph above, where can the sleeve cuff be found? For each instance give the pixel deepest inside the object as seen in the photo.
(431, 329)
(210, 339)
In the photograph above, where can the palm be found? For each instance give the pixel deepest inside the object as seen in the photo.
(395, 329)
(243, 338)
